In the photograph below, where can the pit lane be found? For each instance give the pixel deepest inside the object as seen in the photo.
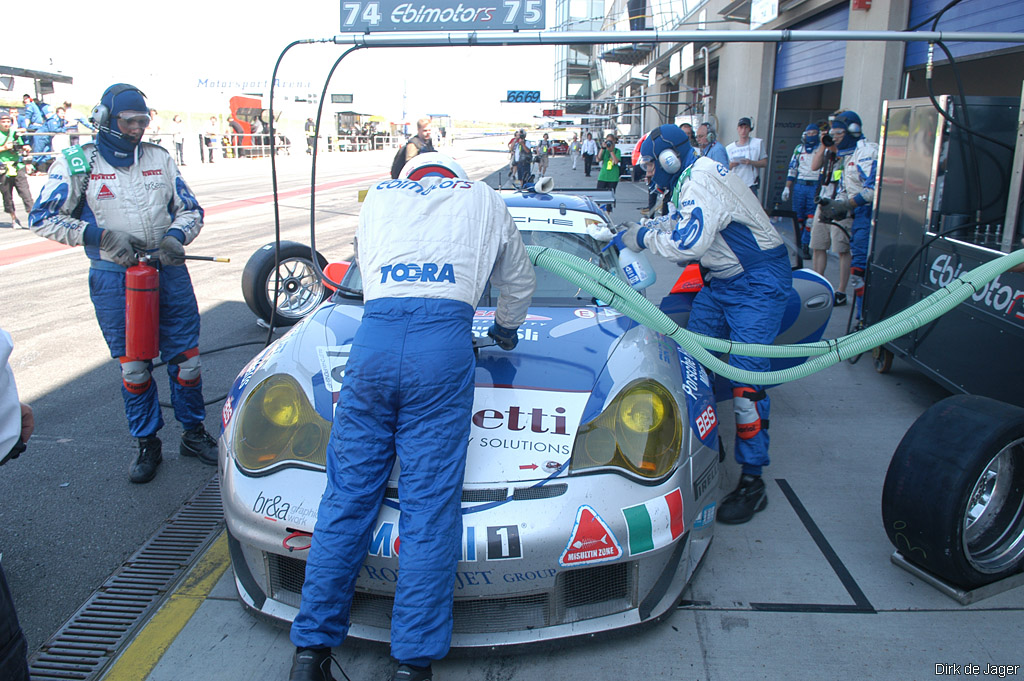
(805, 590)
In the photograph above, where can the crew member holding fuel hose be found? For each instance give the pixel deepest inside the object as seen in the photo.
(117, 197)
(717, 220)
(426, 246)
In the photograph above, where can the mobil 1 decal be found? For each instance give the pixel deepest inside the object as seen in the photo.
(700, 400)
(493, 542)
(519, 434)
(591, 541)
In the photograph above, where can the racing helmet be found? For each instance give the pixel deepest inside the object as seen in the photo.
(432, 164)
(810, 135)
(848, 121)
(669, 148)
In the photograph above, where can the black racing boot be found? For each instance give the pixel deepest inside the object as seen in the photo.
(311, 664)
(407, 672)
(198, 443)
(143, 469)
(742, 503)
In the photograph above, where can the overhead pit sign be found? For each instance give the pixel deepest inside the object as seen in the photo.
(367, 16)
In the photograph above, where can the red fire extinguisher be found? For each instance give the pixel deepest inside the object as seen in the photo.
(142, 311)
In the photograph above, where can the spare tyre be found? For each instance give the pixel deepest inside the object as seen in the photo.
(299, 291)
(953, 499)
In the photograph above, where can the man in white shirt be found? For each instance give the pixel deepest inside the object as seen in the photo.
(747, 155)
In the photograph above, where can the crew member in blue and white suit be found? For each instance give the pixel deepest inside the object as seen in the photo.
(803, 183)
(856, 191)
(426, 246)
(718, 221)
(119, 197)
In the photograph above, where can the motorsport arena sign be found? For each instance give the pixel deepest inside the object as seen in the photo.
(366, 16)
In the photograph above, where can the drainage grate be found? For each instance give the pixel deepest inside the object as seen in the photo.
(83, 648)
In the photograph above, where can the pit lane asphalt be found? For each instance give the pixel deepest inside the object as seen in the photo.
(766, 604)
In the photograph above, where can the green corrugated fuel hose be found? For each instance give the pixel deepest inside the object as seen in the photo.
(618, 294)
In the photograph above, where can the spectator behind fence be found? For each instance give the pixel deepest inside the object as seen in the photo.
(210, 137)
(155, 125)
(71, 124)
(178, 135)
(310, 135)
(14, 176)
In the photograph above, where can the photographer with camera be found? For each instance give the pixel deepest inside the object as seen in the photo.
(608, 160)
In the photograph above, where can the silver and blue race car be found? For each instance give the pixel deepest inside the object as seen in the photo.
(591, 477)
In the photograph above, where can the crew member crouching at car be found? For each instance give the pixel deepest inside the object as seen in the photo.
(426, 246)
(718, 221)
(119, 197)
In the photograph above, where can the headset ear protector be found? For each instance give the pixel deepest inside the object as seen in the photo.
(100, 115)
(668, 159)
(712, 136)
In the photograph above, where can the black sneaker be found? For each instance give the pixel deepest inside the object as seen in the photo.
(143, 469)
(198, 443)
(840, 300)
(742, 503)
(311, 664)
(407, 672)
(805, 252)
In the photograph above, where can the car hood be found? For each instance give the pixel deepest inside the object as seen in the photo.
(528, 405)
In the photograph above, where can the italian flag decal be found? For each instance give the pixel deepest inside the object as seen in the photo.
(655, 523)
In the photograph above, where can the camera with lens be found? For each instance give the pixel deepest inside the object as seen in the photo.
(609, 144)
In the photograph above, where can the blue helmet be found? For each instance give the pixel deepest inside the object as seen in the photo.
(115, 148)
(670, 150)
(849, 122)
(810, 137)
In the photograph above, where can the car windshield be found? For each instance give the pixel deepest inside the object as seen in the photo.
(552, 290)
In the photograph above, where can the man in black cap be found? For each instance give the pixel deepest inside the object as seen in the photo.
(747, 155)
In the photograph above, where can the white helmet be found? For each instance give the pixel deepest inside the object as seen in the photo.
(432, 164)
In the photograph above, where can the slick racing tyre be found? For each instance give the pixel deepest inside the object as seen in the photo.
(953, 499)
(300, 290)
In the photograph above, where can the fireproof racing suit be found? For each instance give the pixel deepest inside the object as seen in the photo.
(805, 188)
(148, 199)
(425, 250)
(722, 224)
(857, 187)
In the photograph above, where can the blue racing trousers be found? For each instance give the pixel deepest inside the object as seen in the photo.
(860, 238)
(803, 206)
(747, 308)
(179, 347)
(407, 392)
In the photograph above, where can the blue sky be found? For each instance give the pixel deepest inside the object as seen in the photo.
(177, 47)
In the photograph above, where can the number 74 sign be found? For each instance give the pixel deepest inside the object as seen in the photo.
(365, 16)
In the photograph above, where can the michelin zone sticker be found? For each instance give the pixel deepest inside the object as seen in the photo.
(590, 542)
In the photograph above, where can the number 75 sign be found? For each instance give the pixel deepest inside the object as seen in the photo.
(365, 16)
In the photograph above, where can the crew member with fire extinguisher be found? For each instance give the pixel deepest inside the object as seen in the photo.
(119, 197)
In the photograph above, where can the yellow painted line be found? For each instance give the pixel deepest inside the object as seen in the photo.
(143, 654)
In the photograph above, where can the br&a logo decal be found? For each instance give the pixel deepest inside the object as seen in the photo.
(105, 193)
(591, 541)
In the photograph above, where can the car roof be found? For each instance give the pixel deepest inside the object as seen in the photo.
(550, 201)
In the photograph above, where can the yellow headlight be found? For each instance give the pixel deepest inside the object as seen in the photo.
(640, 432)
(281, 404)
(277, 424)
(642, 410)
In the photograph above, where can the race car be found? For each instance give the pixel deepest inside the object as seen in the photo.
(559, 147)
(592, 471)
